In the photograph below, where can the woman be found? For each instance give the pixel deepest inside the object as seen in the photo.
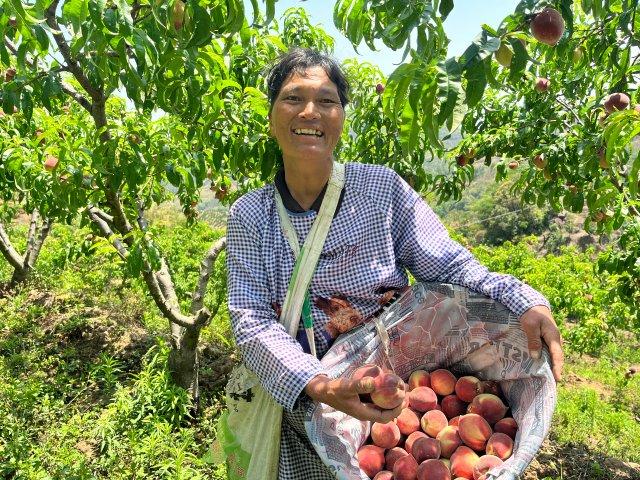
(381, 229)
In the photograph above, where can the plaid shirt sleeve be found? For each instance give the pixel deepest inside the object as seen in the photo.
(423, 245)
(267, 349)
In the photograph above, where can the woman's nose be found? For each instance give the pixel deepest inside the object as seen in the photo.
(310, 110)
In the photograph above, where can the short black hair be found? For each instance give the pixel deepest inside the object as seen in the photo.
(299, 60)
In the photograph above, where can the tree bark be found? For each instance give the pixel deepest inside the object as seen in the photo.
(23, 264)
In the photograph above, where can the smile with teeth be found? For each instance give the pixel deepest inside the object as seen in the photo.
(308, 131)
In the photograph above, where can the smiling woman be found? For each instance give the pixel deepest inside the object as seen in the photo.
(362, 228)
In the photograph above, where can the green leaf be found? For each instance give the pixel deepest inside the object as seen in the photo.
(26, 102)
(519, 60)
(41, 37)
(476, 82)
(76, 11)
(202, 27)
(445, 8)
(449, 88)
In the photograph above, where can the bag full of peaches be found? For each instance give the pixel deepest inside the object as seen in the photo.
(476, 405)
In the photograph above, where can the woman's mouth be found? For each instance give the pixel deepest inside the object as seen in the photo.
(308, 131)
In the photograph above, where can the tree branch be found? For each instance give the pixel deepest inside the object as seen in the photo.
(72, 64)
(76, 96)
(206, 266)
(578, 119)
(10, 253)
(108, 233)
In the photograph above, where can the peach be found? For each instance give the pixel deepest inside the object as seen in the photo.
(447, 463)
(468, 387)
(462, 462)
(419, 378)
(425, 448)
(422, 399)
(393, 455)
(371, 459)
(433, 469)
(411, 439)
(506, 425)
(455, 421)
(443, 382)
(474, 431)
(408, 421)
(406, 468)
(452, 406)
(389, 390)
(499, 445)
(432, 422)
(484, 464)
(449, 439)
(488, 406)
(385, 435)
(384, 475)
(369, 370)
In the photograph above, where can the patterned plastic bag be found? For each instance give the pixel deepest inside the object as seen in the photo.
(432, 326)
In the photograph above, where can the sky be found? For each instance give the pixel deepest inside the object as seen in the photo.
(461, 26)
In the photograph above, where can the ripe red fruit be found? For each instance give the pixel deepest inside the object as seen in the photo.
(616, 101)
(539, 161)
(542, 84)
(548, 26)
(9, 74)
(513, 165)
(461, 160)
(50, 163)
(379, 88)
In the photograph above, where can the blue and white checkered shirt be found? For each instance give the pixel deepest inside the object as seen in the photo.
(382, 229)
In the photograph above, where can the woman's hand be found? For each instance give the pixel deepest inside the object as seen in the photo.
(343, 394)
(538, 325)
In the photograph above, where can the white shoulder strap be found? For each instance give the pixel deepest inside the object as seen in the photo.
(307, 257)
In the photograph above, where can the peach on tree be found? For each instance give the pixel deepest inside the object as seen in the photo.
(547, 26)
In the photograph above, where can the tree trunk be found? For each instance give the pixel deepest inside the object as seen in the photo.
(183, 359)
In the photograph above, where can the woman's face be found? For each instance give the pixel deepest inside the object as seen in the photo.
(307, 117)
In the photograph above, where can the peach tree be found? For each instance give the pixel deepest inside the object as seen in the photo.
(549, 97)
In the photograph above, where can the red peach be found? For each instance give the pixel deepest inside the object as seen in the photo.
(371, 459)
(506, 425)
(484, 464)
(432, 422)
(411, 439)
(462, 462)
(424, 448)
(500, 445)
(488, 406)
(449, 439)
(385, 435)
(393, 455)
(452, 406)
(443, 382)
(468, 387)
(419, 378)
(474, 431)
(433, 470)
(455, 421)
(422, 399)
(406, 468)
(408, 421)
(50, 163)
(384, 475)
(389, 390)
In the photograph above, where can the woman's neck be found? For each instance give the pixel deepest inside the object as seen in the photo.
(306, 181)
